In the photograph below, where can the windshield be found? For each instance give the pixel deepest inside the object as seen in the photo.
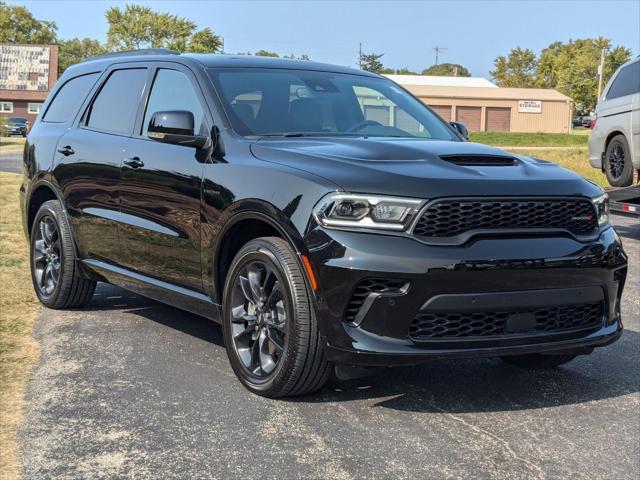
(279, 102)
(17, 121)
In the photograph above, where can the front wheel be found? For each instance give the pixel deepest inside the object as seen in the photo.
(537, 361)
(269, 324)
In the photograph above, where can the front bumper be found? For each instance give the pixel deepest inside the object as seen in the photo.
(485, 275)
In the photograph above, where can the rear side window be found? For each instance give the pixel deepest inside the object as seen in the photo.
(627, 82)
(69, 98)
(115, 107)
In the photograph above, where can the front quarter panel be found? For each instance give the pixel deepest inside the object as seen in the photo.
(245, 188)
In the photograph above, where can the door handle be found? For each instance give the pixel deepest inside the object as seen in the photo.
(66, 151)
(134, 162)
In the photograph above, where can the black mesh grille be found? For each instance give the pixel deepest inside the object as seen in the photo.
(368, 286)
(448, 217)
(486, 324)
(480, 160)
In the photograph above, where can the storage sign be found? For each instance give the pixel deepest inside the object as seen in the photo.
(529, 106)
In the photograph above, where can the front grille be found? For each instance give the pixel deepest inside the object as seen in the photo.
(450, 217)
(369, 286)
(427, 325)
(480, 160)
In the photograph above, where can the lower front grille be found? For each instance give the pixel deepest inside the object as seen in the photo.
(428, 325)
(365, 288)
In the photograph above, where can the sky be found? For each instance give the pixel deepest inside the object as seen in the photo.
(473, 33)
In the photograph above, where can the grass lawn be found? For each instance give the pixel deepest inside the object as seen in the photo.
(575, 160)
(11, 144)
(18, 308)
(508, 139)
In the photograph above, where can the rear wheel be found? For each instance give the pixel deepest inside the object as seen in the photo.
(55, 277)
(617, 162)
(270, 328)
(537, 361)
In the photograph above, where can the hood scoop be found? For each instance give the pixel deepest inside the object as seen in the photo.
(480, 160)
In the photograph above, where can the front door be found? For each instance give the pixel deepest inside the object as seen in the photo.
(160, 190)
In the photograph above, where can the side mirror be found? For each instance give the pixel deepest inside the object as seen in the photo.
(175, 127)
(461, 129)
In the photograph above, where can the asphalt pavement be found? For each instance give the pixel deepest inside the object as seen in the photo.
(11, 162)
(131, 388)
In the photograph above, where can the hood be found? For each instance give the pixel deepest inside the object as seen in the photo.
(416, 167)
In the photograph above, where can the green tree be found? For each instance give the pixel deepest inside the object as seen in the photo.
(572, 68)
(204, 41)
(138, 26)
(446, 70)
(18, 25)
(405, 71)
(371, 62)
(77, 50)
(518, 69)
(266, 53)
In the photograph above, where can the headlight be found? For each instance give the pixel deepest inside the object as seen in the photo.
(344, 210)
(601, 205)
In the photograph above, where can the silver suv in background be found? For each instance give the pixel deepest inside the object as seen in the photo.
(614, 143)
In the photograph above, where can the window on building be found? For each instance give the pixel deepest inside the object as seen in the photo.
(34, 108)
(69, 98)
(172, 90)
(6, 107)
(115, 107)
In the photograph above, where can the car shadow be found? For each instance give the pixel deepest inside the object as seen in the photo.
(632, 231)
(441, 385)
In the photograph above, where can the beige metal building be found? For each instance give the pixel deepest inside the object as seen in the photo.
(496, 109)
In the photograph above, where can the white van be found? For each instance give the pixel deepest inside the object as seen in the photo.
(614, 143)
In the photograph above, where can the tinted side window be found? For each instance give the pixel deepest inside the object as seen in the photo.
(172, 90)
(69, 98)
(115, 107)
(627, 82)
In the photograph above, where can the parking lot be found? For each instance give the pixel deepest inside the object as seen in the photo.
(132, 388)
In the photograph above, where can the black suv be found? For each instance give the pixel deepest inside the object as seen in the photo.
(329, 220)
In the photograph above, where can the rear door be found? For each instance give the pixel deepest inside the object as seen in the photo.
(160, 187)
(89, 157)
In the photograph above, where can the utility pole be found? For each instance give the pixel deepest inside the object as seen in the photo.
(438, 50)
(600, 74)
(222, 39)
(360, 55)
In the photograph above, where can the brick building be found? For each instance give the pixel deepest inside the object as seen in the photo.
(27, 74)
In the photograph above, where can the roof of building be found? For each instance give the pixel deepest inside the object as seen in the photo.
(489, 93)
(416, 80)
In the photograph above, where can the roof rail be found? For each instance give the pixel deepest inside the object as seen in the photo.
(129, 53)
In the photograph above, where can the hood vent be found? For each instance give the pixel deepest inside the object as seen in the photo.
(480, 160)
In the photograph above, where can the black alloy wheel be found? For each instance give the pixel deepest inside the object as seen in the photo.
(269, 322)
(56, 279)
(46, 256)
(259, 316)
(618, 166)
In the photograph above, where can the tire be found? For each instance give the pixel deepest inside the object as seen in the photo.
(537, 361)
(70, 290)
(267, 309)
(618, 166)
